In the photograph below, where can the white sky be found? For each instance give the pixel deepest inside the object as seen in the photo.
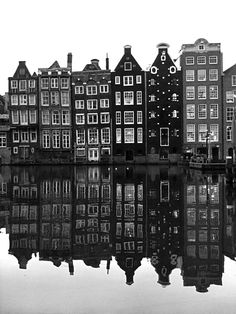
(40, 32)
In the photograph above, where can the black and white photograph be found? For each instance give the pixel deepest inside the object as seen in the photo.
(117, 157)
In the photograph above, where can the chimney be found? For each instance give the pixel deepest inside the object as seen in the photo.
(127, 49)
(69, 61)
(95, 62)
(107, 62)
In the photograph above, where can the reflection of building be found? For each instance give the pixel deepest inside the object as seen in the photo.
(201, 65)
(164, 109)
(23, 218)
(129, 219)
(92, 240)
(203, 251)
(128, 112)
(164, 210)
(91, 119)
(5, 180)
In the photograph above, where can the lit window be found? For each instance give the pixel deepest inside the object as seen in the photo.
(190, 92)
(128, 117)
(118, 98)
(118, 136)
(129, 135)
(214, 131)
(128, 98)
(139, 135)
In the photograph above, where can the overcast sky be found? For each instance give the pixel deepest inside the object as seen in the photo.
(40, 32)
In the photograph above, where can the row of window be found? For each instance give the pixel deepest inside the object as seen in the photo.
(128, 98)
(56, 139)
(129, 117)
(190, 60)
(92, 118)
(92, 136)
(54, 98)
(23, 99)
(92, 89)
(56, 117)
(202, 75)
(203, 133)
(129, 136)
(92, 104)
(201, 92)
(54, 82)
(23, 84)
(24, 117)
(128, 80)
(202, 111)
(24, 136)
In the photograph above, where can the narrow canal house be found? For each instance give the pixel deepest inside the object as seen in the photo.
(164, 109)
(91, 113)
(201, 65)
(5, 150)
(128, 112)
(23, 110)
(55, 112)
(229, 111)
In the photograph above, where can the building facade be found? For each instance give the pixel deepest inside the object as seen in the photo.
(5, 150)
(128, 111)
(201, 65)
(23, 110)
(164, 109)
(91, 114)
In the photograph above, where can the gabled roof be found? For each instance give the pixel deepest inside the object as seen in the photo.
(55, 65)
(22, 71)
(233, 67)
(128, 57)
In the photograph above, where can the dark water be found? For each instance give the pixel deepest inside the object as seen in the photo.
(112, 239)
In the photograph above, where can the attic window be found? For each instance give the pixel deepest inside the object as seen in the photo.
(201, 47)
(128, 66)
(22, 71)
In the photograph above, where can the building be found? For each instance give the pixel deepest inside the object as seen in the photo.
(55, 113)
(229, 94)
(23, 110)
(128, 110)
(5, 150)
(164, 109)
(201, 65)
(91, 103)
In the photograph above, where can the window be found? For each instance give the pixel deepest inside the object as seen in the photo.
(117, 80)
(105, 136)
(128, 98)
(104, 88)
(91, 90)
(105, 117)
(118, 136)
(79, 89)
(3, 139)
(201, 60)
(128, 66)
(23, 99)
(139, 117)
(164, 136)
(54, 82)
(33, 136)
(56, 139)
(31, 83)
(80, 136)
(92, 136)
(14, 84)
(213, 92)
(65, 99)
(118, 98)
(128, 117)
(79, 104)
(56, 117)
(64, 83)
(24, 136)
(233, 80)
(229, 96)
(138, 79)
(213, 111)
(140, 135)
(190, 92)
(80, 118)
(201, 47)
(104, 103)
(24, 117)
(44, 98)
(228, 133)
(66, 139)
(229, 114)
(118, 117)
(213, 59)
(32, 100)
(92, 104)
(201, 75)
(202, 111)
(201, 92)
(15, 117)
(54, 98)
(15, 136)
(190, 133)
(65, 117)
(189, 60)
(46, 139)
(139, 97)
(214, 131)
(213, 75)
(22, 85)
(189, 75)
(128, 80)
(190, 111)
(202, 132)
(44, 83)
(129, 135)
(32, 116)
(45, 117)
(92, 118)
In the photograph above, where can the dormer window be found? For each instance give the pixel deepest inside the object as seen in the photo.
(128, 66)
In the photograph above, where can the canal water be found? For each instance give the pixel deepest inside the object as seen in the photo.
(133, 239)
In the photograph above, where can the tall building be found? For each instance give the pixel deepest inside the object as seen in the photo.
(55, 113)
(201, 65)
(23, 110)
(164, 109)
(229, 102)
(128, 111)
(91, 113)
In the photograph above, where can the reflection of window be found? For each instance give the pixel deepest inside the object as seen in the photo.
(190, 132)
(189, 75)
(191, 216)
(164, 187)
(129, 210)
(215, 252)
(203, 251)
(202, 218)
(191, 235)
(191, 194)
(129, 192)
(129, 229)
(202, 235)
(191, 250)
(129, 135)
(214, 217)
